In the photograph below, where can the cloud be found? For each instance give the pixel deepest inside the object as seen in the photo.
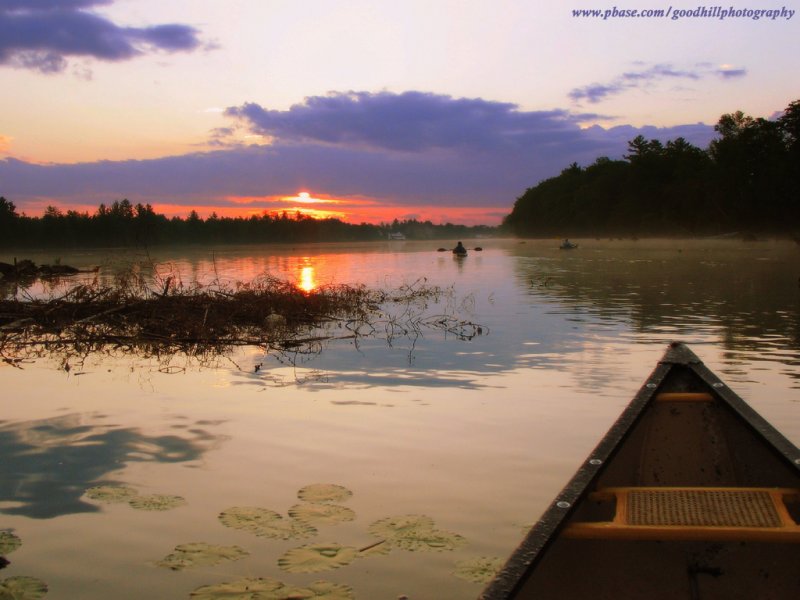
(402, 150)
(49, 5)
(648, 77)
(731, 73)
(41, 35)
(409, 122)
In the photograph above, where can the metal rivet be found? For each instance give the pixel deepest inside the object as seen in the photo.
(651, 385)
(719, 384)
(563, 504)
(595, 461)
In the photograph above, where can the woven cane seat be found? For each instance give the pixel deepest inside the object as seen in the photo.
(712, 508)
(666, 513)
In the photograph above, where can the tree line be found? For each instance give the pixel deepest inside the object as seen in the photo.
(126, 224)
(747, 180)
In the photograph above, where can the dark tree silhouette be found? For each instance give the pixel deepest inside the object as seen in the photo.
(747, 180)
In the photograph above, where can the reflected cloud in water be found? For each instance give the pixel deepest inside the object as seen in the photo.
(48, 464)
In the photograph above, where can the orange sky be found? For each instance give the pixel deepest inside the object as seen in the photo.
(320, 206)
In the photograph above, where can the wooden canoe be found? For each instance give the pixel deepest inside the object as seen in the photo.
(690, 495)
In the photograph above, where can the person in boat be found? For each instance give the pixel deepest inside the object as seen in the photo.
(460, 250)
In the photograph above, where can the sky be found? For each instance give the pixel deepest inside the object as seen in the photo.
(441, 110)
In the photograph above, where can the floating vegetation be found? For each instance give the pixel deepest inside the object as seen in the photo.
(324, 492)
(317, 557)
(321, 514)
(8, 542)
(22, 588)
(423, 540)
(265, 522)
(111, 494)
(325, 590)
(201, 554)
(267, 588)
(156, 502)
(478, 570)
(151, 315)
(158, 314)
(252, 588)
(394, 526)
(415, 533)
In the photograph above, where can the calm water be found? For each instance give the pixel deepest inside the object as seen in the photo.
(476, 434)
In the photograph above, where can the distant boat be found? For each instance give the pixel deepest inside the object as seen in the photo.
(459, 250)
(567, 245)
(396, 235)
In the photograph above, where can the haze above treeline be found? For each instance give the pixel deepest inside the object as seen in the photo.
(747, 180)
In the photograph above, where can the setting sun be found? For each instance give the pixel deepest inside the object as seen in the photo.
(307, 198)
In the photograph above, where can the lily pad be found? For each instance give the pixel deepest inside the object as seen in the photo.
(261, 588)
(394, 526)
(8, 542)
(321, 514)
(415, 533)
(317, 557)
(422, 540)
(22, 588)
(200, 553)
(324, 492)
(111, 494)
(265, 522)
(156, 502)
(478, 570)
(325, 590)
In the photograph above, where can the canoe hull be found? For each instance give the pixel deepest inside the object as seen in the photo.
(685, 429)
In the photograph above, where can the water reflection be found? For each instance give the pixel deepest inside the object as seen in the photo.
(743, 297)
(49, 463)
(540, 307)
(307, 282)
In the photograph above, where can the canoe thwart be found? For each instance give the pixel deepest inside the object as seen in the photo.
(694, 513)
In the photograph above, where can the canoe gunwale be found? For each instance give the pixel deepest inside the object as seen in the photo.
(532, 549)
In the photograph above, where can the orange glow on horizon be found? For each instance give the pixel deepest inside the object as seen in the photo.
(349, 210)
(302, 198)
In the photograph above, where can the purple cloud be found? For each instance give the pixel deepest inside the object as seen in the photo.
(597, 92)
(41, 35)
(407, 149)
(732, 73)
(410, 122)
(44, 5)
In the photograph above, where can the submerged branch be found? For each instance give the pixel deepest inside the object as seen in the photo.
(269, 313)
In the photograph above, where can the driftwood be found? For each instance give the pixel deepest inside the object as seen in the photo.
(163, 318)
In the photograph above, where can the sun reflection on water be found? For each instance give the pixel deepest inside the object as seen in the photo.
(308, 282)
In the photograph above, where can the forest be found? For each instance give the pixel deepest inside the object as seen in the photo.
(747, 181)
(126, 224)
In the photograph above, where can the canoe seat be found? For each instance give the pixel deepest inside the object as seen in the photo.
(693, 513)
